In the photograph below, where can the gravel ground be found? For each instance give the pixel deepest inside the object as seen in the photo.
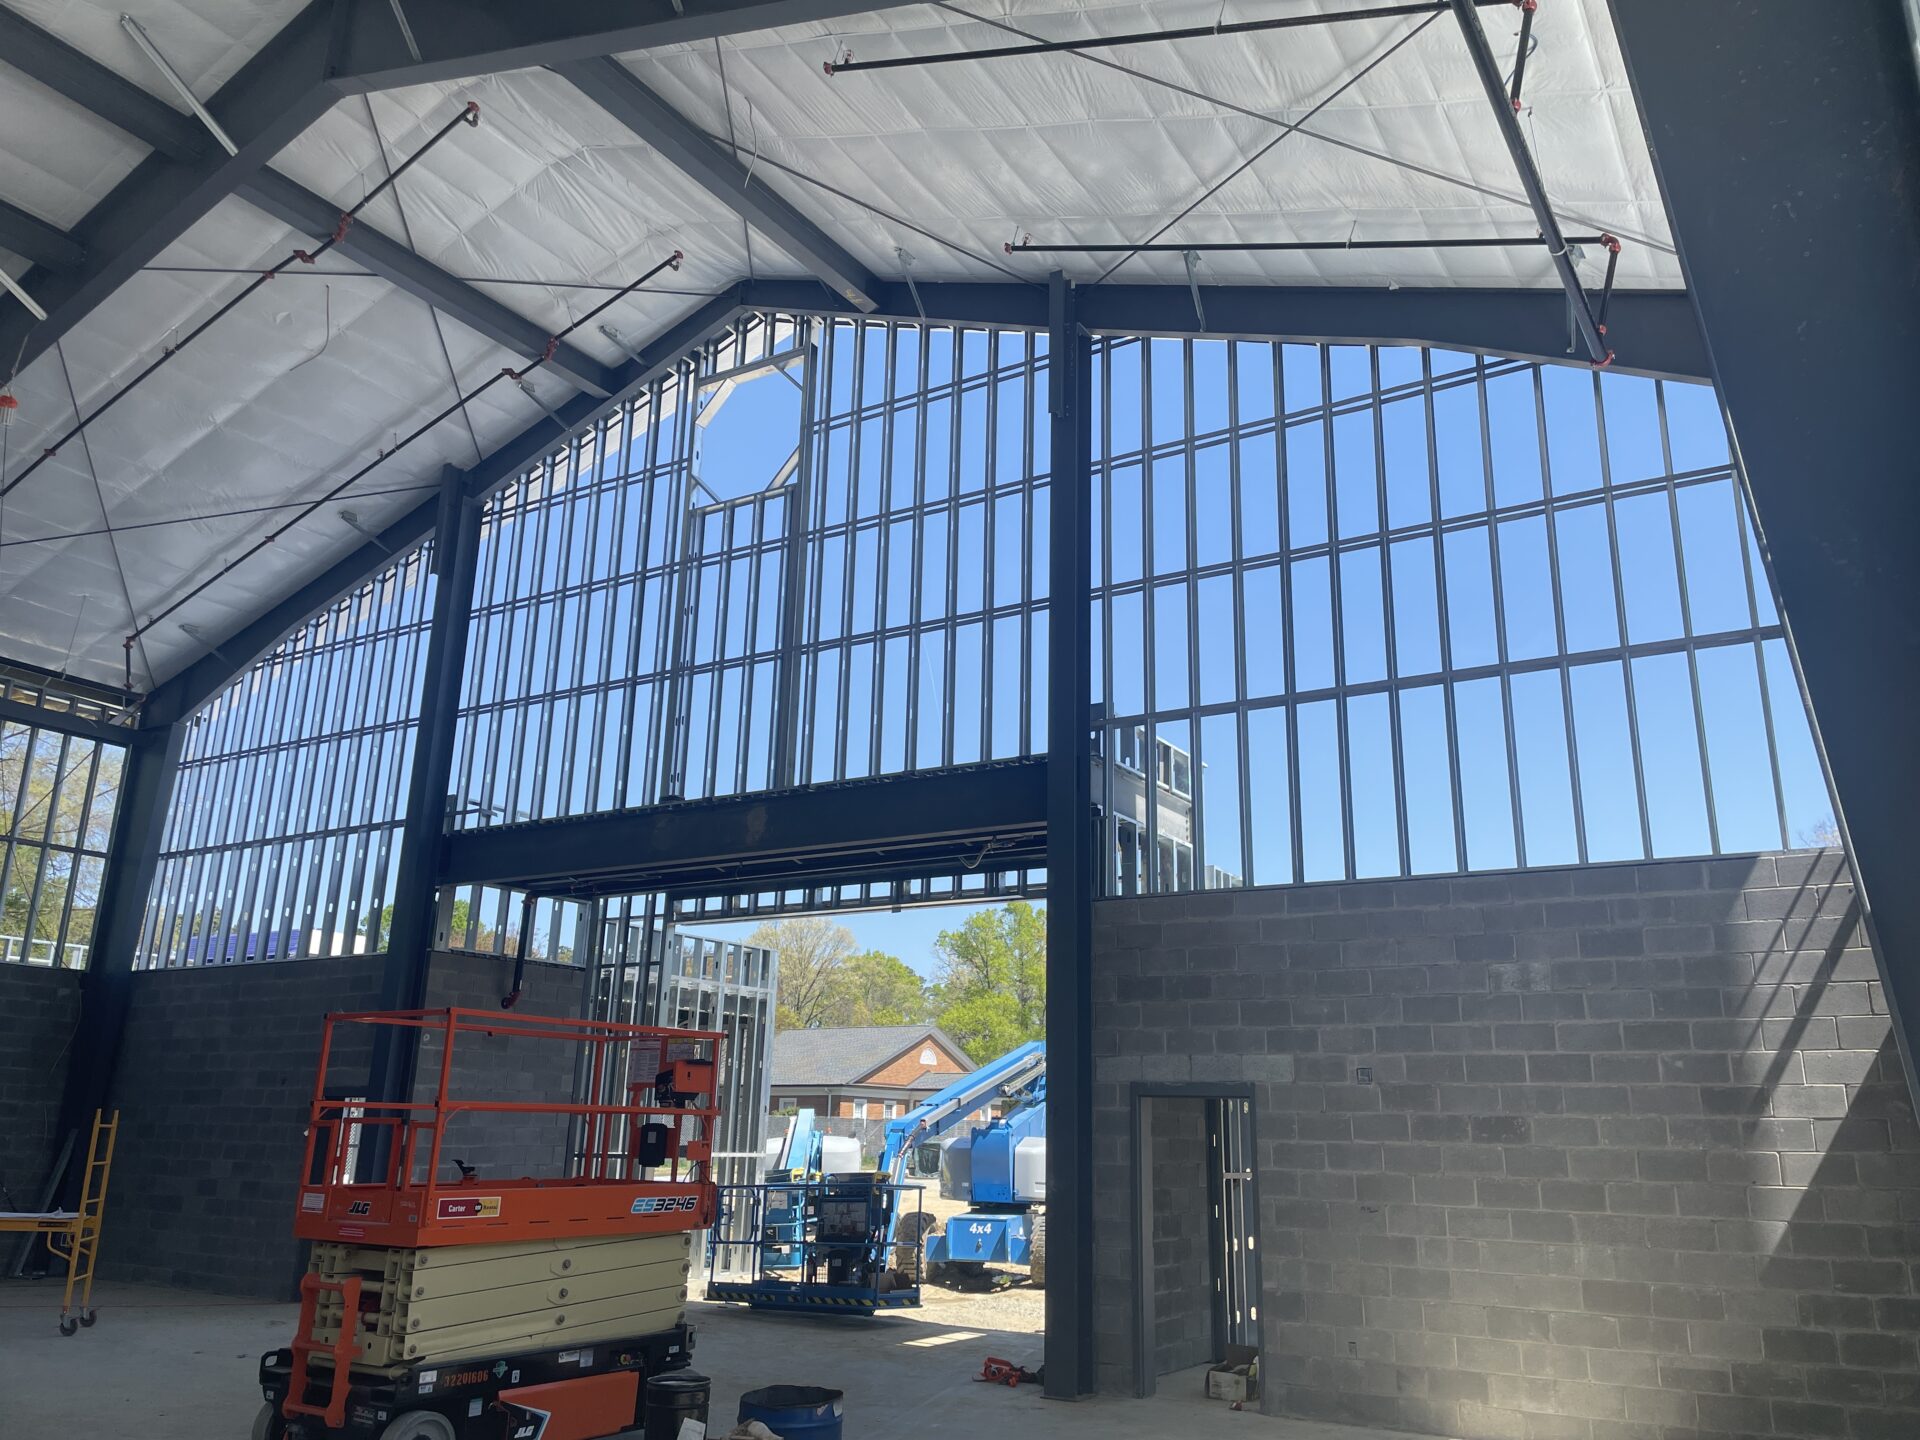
(1019, 1310)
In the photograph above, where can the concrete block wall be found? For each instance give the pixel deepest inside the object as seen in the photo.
(214, 1079)
(504, 1066)
(1182, 1266)
(213, 1085)
(1635, 1159)
(38, 1011)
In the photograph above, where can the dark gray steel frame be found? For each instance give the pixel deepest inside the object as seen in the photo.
(362, 52)
(1811, 314)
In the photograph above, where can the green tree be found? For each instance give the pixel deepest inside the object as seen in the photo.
(875, 988)
(812, 950)
(991, 991)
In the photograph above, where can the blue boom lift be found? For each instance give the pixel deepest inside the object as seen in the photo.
(819, 1236)
(999, 1167)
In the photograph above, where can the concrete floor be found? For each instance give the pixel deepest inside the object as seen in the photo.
(174, 1365)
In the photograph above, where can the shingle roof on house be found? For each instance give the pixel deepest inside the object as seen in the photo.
(840, 1057)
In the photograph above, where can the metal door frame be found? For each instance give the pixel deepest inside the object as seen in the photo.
(1141, 1095)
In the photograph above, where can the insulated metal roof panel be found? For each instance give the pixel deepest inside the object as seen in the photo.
(1169, 141)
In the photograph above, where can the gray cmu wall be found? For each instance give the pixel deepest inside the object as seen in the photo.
(38, 1011)
(504, 1067)
(213, 1082)
(1182, 1266)
(1637, 1161)
(213, 1085)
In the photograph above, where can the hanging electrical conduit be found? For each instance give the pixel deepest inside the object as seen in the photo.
(1587, 318)
(672, 262)
(469, 115)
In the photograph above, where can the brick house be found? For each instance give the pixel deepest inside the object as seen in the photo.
(872, 1072)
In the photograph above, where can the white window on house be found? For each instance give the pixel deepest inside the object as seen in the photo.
(927, 1057)
(859, 1109)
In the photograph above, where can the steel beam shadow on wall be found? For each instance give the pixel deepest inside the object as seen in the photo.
(1801, 247)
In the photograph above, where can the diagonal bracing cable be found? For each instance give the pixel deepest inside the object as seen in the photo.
(406, 233)
(128, 526)
(106, 521)
(1292, 129)
(469, 115)
(1399, 163)
(672, 262)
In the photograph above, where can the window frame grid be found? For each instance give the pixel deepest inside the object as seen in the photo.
(1181, 724)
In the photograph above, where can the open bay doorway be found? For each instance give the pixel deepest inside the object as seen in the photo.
(1196, 1224)
(908, 1047)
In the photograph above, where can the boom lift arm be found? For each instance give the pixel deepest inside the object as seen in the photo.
(1017, 1073)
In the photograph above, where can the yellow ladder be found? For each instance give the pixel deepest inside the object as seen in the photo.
(82, 1234)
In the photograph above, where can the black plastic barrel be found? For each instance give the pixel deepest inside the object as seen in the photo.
(673, 1399)
(794, 1412)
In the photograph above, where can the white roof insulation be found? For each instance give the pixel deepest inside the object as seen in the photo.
(550, 203)
(1114, 146)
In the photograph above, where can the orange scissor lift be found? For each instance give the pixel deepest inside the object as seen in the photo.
(444, 1303)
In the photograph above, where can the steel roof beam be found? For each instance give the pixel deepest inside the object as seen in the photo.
(273, 98)
(1506, 116)
(32, 238)
(1658, 333)
(291, 82)
(623, 95)
(92, 86)
(312, 214)
(458, 39)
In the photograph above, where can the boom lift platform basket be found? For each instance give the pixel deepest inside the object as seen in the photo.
(457, 1305)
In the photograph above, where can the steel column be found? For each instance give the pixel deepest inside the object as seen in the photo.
(133, 854)
(1505, 113)
(403, 984)
(1070, 853)
(1801, 247)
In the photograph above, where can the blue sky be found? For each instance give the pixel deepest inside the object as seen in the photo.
(1422, 585)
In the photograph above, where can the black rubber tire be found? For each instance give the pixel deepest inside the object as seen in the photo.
(88, 1318)
(910, 1242)
(69, 1327)
(419, 1425)
(1037, 1249)
(268, 1424)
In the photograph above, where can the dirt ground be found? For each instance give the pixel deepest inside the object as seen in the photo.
(1020, 1309)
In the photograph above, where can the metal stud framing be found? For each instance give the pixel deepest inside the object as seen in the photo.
(1509, 593)
(58, 795)
(284, 835)
(1501, 586)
